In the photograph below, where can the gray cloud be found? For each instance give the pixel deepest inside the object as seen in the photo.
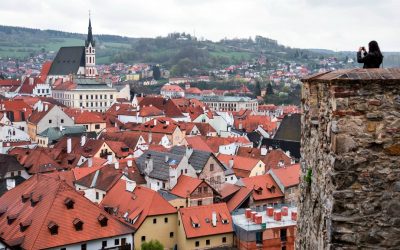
(334, 24)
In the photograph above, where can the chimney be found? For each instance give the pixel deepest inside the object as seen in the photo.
(167, 123)
(294, 215)
(148, 165)
(155, 122)
(116, 108)
(231, 162)
(248, 213)
(285, 211)
(270, 211)
(288, 153)
(61, 128)
(214, 219)
(90, 161)
(130, 185)
(46, 107)
(150, 138)
(189, 151)
(277, 215)
(69, 145)
(10, 183)
(109, 158)
(129, 163)
(116, 165)
(264, 151)
(31, 80)
(83, 140)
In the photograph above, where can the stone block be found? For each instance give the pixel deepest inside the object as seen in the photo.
(344, 143)
(393, 150)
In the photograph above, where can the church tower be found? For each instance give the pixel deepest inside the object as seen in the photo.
(90, 54)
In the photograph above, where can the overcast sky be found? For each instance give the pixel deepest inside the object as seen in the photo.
(328, 24)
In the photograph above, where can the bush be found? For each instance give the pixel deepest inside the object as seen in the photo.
(152, 245)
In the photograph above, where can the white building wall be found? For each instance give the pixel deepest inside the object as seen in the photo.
(97, 244)
(11, 133)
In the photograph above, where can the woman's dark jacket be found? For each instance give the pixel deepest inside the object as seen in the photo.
(370, 60)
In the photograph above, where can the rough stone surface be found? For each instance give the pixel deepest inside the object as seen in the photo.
(351, 142)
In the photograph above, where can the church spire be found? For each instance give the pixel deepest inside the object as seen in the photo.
(89, 36)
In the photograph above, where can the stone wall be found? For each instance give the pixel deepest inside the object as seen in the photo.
(350, 183)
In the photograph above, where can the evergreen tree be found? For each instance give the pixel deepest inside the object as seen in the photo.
(257, 90)
(156, 73)
(270, 91)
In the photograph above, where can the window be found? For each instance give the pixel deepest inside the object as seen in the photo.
(283, 234)
(185, 171)
(91, 97)
(211, 167)
(116, 242)
(123, 241)
(197, 244)
(111, 96)
(87, 96)
(12, 174)
(97, 126)
(171, 234)
(154, 221)
(50, 121)
(80, 97)
(62, 120)
(205, 189)
(83, 247)
(143, 238)
(207, 242)
(223, 239)
(97, 195)
(166, 219)
(104, 243)
(19, 172)
(63, 248)
(259, 237)
(199, 202)
(199, 190)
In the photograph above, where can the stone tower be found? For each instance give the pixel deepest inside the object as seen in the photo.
(350, 183)
(90, 54)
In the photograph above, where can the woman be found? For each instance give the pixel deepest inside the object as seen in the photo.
(373, 58)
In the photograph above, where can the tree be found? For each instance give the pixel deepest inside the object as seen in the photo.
(270, 91)
(257, 90)
(156, 72)
(152, 245)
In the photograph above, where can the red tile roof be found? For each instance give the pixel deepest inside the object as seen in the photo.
(131, 138)
(37, 116)
(36, 160)
(185, 186)
(275, 156)
(84, 117)
(289, 176)
(140, 203)
(162, 125)
(251, 122)
(239, 162)
(264, 187)
(148, 111)
(197, 142)
(50, 196)
(174, 88)
(9, 82)
(238, 198)
(200, 214)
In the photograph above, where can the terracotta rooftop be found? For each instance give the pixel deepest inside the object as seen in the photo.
(185, 186)
(202, 216)
(289, 176)
(40, 204)
(139, 204)
(263, 186)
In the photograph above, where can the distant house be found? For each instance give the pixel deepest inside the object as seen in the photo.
(193, 191)
(288, 180)
(243, 166)
(205, 227)
(47, 116)
(146, 210)
(172, 91)
(12, 173)
(266, 192)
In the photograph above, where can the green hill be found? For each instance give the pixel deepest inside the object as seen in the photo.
(178, 51)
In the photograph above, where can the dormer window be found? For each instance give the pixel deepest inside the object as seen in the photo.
(102, 220)
(3, 210)
(224, 218)
(25, 224)
(69, 203)
(78, 224)
(35, 199)
(195, 221)
(53, 228)
(11, 218)
(25, 197)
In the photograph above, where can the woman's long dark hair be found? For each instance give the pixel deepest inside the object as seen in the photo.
(373, 48)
